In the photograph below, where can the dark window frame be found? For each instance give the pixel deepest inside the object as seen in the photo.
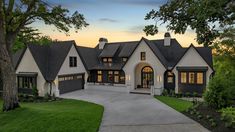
(195, 78)
(72, 61)
(99, 73)
(142, 56)
(26, 80)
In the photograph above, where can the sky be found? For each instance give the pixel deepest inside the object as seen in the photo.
(116, 20)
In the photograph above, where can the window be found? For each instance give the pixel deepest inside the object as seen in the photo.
(99, 76)
(105, 60)
(199, 78)
(183, 77)
(110, 60)
(142, 56)
(191, 77)
(26, 82)
(116, 76)
(124, 59)
(72, 61)
(110, 76)
(170, 77)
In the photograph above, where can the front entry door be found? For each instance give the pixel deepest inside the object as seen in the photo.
(147, 77)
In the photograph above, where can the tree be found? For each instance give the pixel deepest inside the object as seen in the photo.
(28, 35)
(209, 18)
(16, 15)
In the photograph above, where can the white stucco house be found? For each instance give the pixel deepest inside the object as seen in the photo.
(145, 66)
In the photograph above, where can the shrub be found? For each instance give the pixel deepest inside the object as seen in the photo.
(179, 95)
(187, 94)
(228, 115)
(35, 92)
(165, 92)
(216, 95)
(172, 93)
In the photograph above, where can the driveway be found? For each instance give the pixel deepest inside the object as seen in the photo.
(136, 113)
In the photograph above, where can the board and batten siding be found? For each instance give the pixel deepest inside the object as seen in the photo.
(191, 59)
(28, 64)
(135, 62)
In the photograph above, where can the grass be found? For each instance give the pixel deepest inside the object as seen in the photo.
(57, 116)
(175, 103)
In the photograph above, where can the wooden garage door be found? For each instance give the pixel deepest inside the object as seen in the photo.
(71, 82)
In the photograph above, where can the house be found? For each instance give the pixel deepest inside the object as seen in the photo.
(145, 66)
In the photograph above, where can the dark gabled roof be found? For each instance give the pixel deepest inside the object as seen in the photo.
(157, 52)
(109, 50)
(127, 48)
(89, 56)
(50, 58)
(204, 52)
(17, 57)
(171, 53)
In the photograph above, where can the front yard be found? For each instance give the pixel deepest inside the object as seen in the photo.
(175, 103)
(63, 115)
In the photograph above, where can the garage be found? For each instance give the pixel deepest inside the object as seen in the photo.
(71, 82)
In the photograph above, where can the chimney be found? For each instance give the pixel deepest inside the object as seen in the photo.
(167, 39)
(102, 42)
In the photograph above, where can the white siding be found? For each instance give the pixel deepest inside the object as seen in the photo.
(66, 69)
(191, 58)
(134, 64)
(28, 64)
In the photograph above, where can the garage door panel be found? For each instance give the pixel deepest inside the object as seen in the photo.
(70, 83)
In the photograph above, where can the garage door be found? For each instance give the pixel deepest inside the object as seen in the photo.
(71, 82)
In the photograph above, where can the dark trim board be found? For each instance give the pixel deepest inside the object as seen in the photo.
(189, 68)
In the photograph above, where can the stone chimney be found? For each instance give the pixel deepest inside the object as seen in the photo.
(167, 39)
(102, 42)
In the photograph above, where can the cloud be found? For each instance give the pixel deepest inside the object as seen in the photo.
(136, 29)
(108, 20)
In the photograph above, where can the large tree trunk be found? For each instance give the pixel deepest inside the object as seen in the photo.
(10, 92)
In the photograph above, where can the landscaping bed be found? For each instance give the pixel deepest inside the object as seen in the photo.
(60, 115)
(200, 112)
(210, 118)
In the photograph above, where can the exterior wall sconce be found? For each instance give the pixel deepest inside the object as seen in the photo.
(159, 78)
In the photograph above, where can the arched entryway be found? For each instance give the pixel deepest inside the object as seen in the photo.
(147, 77)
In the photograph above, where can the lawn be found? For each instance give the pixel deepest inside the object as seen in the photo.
(57, 116)
(175, 103)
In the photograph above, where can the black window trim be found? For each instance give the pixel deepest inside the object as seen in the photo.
(72, 61)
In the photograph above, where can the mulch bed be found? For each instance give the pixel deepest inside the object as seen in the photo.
(204, 121)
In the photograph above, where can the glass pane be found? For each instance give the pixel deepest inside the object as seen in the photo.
(191, 77)
(200, 78)
(183, 77)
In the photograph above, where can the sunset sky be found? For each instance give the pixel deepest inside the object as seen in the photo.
(116, 20)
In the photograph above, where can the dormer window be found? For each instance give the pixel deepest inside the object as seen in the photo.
(73, 61)
(105, 60)
(142, 56)
(124, 59)
(110, 60)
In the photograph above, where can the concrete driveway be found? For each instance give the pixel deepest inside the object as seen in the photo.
(136, 113)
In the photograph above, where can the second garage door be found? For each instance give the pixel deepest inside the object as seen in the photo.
(71, 82)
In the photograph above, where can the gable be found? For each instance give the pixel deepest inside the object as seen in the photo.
(151, 58)
(66, 69)
(27, 63)
(192, 58)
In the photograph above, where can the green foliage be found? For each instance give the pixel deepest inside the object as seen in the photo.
(221, 88)
(206, 17)
(56, 116)
(228, 115)
(29, 35)
(35, 92)
(187, 94)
